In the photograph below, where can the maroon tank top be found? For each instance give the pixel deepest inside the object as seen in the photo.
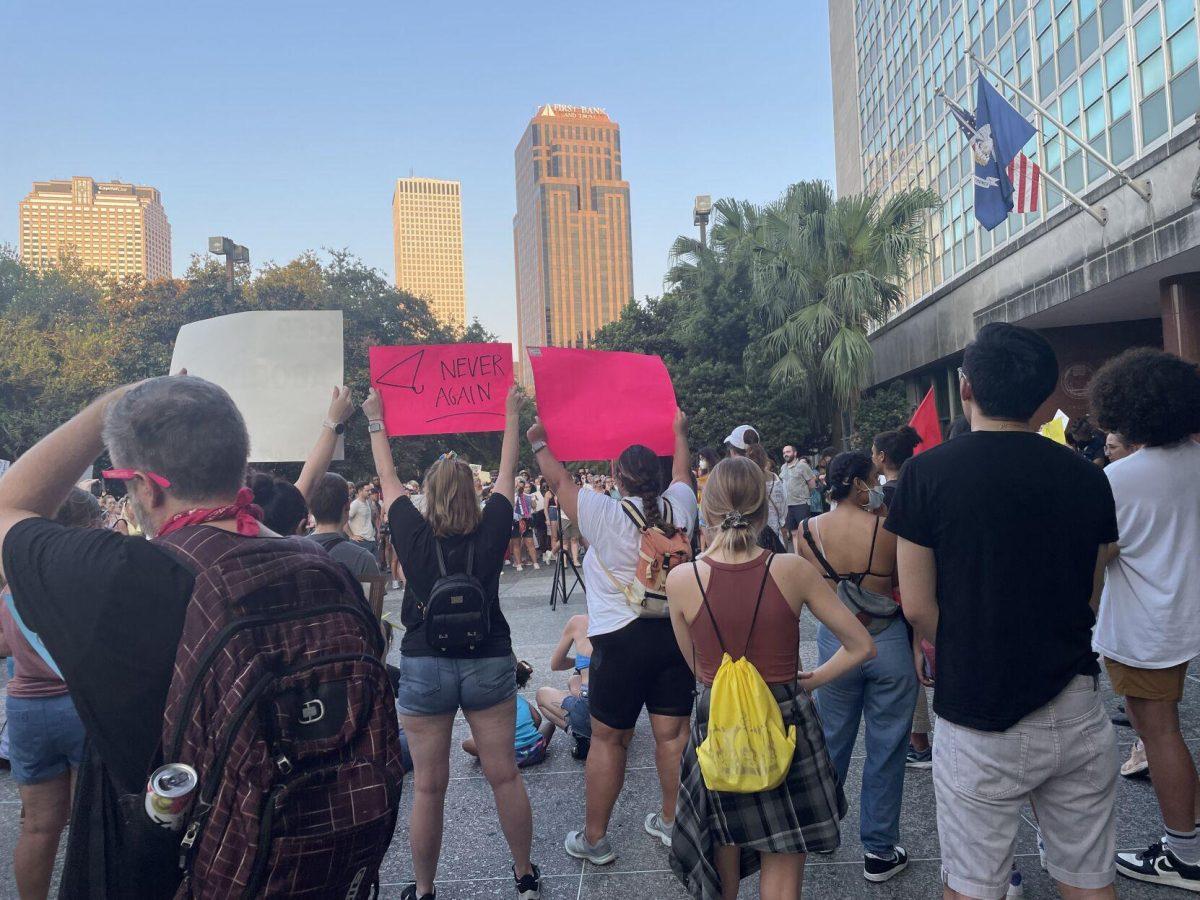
(774, 644)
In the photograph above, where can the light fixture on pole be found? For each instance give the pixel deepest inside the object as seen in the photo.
(233, 253)
(701, 212)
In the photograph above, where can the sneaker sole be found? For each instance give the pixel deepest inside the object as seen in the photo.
(885, 876)
(604, 860)
(662, 836)
(1193, 886)
(925, 764)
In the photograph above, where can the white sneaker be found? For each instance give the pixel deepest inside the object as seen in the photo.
(656, 827)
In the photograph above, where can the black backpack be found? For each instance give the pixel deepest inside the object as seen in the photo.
(457, 615)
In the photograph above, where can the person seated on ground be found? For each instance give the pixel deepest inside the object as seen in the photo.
(531, 739)
(568, 709)
(721, 837)
(111, 610)
(331, 511)
(46, 736)
(284, 504)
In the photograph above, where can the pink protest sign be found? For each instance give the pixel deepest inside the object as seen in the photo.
(595, 403)
(442, 388)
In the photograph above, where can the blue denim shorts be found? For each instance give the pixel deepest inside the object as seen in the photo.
(579, 720)
(45, 738)
(437, 685)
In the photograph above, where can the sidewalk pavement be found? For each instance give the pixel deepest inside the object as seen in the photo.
(475, 861)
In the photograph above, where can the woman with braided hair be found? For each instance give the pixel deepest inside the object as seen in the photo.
(635, 661)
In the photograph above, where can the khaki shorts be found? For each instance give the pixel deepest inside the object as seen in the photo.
(1146, 684)
(1063, 758)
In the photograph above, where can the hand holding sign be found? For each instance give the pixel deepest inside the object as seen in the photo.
(442, 388)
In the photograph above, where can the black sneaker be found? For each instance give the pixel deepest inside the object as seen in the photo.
(410, 893)
(881, 868)
(581, 748)
(529, 887)
(1159, 865)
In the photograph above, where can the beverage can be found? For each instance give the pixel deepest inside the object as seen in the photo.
(169, 794)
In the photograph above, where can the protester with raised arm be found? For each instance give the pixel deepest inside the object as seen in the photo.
(455, 536)
(635, 661)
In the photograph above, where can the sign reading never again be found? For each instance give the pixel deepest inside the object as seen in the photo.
(442, 388)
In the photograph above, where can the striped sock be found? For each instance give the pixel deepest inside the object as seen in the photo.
(1186, 847)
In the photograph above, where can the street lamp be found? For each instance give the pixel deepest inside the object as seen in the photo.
(233, 253)
(700, 214)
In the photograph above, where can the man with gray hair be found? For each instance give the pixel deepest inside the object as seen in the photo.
(110, 608)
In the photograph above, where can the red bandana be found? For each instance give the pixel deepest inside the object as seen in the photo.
(248, 516)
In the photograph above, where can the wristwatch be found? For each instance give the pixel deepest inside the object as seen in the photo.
(538, 447)
(375, 426)
(335, 427)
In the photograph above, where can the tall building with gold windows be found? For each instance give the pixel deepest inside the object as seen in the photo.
(120, 228)
(427, 234)
(571, 232)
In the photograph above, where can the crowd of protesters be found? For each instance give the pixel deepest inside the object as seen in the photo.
(995, 573)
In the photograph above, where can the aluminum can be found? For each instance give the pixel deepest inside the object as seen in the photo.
(169, 794)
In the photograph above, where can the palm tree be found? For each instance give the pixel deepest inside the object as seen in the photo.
(824, 272)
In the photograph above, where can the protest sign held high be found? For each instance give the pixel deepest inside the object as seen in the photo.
(442, 388)
(595, 403)
(277, 366)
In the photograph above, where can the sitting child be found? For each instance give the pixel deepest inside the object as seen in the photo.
(532, 736)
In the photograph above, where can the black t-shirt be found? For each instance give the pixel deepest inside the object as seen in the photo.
(110, 610)
(1015, 521)
(414, 543)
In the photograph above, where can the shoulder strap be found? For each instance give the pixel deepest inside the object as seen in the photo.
(635, 514)
(819, 555)
(761, 589)
(437, 546)
(871, 556)
(668, 513)
(708, 609)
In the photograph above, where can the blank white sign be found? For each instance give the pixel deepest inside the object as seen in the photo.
(280, 368)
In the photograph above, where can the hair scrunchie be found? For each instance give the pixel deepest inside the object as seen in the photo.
(734, 519)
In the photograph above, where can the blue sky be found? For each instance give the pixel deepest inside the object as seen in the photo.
(283, 125)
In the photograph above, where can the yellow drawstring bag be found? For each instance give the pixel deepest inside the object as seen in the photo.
(747, 749)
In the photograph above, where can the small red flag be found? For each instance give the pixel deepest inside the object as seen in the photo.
(925, 421)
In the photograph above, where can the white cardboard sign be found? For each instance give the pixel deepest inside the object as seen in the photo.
(280, 368)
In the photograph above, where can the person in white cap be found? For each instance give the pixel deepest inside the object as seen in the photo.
(744, 441)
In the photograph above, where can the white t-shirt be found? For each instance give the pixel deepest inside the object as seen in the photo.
(614, 539)
(362, 524)
(1150, 609)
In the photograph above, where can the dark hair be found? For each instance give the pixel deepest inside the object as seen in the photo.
(330, 499)
(524, 673)
(283, 506)
(710, 456)
(1012, 370)
(79, 510)
(1148, 396)
(638, 469)
(958, 428)
(897, 445)
(844, 468)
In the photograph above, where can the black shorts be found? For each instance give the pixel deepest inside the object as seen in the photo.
(797, 513)
(635, 666)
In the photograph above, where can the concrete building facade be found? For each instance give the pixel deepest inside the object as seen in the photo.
(571, 232)
(109, 225)
(1122, 76)
(427, 237)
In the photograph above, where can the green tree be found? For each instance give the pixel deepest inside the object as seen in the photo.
(825, 272)
(883, 410)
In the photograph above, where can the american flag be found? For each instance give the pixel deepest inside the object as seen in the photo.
(1026, 180)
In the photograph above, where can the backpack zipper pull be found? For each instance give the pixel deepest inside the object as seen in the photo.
(185, 845)
(283, 764)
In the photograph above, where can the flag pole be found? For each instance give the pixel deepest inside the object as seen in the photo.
(1141, 188)
(1099, 213)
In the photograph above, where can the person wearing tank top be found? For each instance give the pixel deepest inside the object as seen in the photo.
(881, 692)
(745, 601)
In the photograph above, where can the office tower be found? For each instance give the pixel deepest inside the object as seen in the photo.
(120, 228)
(571, 232)
(427, 234)
(1121, 75)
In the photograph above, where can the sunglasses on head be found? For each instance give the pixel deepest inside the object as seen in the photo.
(130, 474)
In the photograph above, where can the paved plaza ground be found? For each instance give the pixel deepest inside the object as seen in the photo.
(475, 862)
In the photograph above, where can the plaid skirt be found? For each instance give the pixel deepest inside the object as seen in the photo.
(799, 816)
